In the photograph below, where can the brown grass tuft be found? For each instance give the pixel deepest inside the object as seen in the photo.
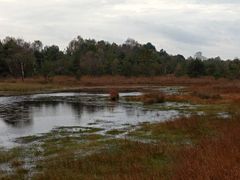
(114, 95)
(129, 160)
(212, 158)
(149, 98)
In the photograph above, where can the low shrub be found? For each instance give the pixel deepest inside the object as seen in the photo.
(206, 95)
(153, 97)
(114, 95)
(149, 98)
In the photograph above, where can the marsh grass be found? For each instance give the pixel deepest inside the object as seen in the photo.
(149, 98)
(184, 130)
(25, 87)
(126, 160)
(212, 158)
(13, 159)
(196, 147)
(184, 147)
(8, 155)
(206, 95)
(115, 132)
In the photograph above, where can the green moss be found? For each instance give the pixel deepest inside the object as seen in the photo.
(182, 131)
(76, 130)
(115, 132)
(159, 160)
(28, 139)
(65, 144)
(212, 109)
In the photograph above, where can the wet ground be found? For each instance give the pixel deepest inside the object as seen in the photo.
(36, 114)
(37, 129)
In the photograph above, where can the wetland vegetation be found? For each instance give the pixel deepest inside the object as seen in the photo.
(101, 108)
(191, 133)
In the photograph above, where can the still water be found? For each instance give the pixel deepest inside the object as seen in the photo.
(31, 115)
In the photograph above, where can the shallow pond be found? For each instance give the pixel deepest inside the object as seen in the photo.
(31, 115)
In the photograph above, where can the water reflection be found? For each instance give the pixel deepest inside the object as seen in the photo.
(17, 115)
(29, 115)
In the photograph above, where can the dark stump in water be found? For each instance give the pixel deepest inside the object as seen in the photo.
(114, 95)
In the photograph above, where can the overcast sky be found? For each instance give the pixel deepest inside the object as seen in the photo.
(178, 26)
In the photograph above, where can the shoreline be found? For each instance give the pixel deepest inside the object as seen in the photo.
(88, 89)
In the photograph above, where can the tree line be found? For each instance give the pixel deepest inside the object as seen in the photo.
(21, 59)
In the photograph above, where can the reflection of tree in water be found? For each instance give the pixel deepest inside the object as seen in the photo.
(40, 103)
(16, 114)
(79, 108)
(136, 111)
(20, 114)
(93, 109)
(130, 111)
(53, 105)
(111, 107)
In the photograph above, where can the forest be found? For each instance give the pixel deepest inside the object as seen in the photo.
(21, 59)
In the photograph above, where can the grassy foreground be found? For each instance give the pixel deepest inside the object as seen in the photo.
(197, 147)
(186, 148)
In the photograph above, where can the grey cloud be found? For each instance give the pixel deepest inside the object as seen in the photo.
(180, 26)
(217, 1)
